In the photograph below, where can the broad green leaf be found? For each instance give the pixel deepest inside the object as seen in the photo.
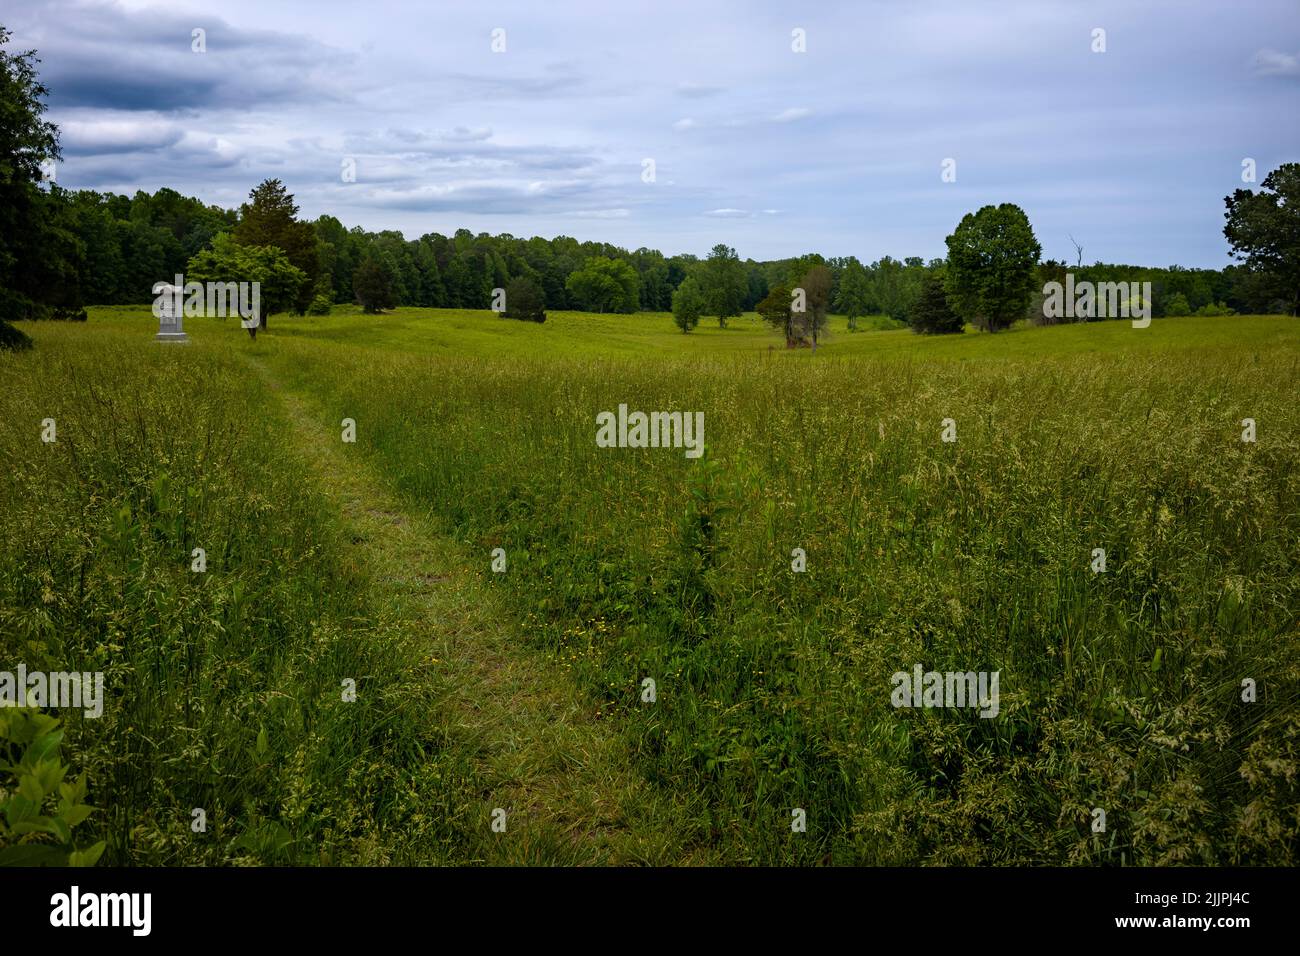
(30, 788)
(34, 825)
(32, 854)
(44, 747)
(86, 857)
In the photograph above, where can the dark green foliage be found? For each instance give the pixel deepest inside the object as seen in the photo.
(816, 286)
(373, 286)
(688, 305)
(775, 309)
(1177, 305)
(280, 281)
(896, 285)
(604, 285)
(656, 289)
(271, 220)
(12, 339)
(854, 296)
(992, 260)
(524, 300)
(1263, 230)
(39, 807)
(131, 242)
(932, 315)
(725, 283)
(41, 257)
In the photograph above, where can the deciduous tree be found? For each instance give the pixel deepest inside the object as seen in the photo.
(816, 285)
(1263, 232)
(775, 309)
(724, 283)
(279, 281)
(992, 256)
(688, 304)
(855, 292)
(604, 285)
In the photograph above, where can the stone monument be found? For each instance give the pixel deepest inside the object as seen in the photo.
(169, 308)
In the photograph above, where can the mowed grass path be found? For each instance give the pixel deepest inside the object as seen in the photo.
(540, 753)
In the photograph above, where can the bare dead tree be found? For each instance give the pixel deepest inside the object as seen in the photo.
(1079, 249)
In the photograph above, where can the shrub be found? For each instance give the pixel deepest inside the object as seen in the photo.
(16, 307)
(1178, 306)
(525, 300)
(12, 339)
(320, 305)
(40, 808)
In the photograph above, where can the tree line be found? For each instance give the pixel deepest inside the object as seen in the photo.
(121, 245)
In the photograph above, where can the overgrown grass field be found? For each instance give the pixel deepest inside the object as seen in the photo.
(1120, 691)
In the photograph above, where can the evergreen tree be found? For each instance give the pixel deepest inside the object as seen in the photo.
(524, 300)
(271, 220)
(373, 286)
(932, 315)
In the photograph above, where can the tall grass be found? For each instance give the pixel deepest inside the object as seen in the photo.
(224, 687)
(1120, 691)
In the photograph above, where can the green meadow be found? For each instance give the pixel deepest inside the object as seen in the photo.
(1161, 695)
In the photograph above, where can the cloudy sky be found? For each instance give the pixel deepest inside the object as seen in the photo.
(838, 149)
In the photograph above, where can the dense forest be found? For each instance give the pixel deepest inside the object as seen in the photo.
(128, 243)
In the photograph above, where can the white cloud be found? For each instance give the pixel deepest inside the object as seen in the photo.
(215, 149)
(1274, 63)
(115, 134)
(790, 115)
